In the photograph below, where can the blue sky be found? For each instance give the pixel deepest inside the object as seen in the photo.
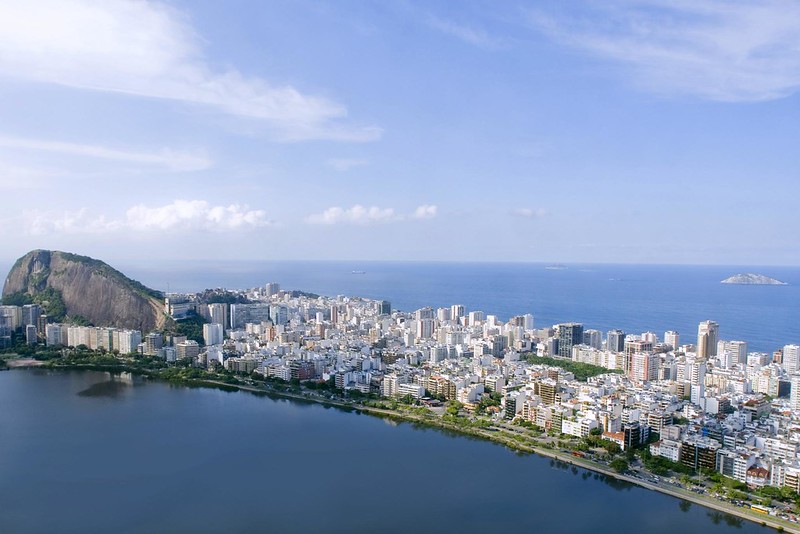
(639, 131)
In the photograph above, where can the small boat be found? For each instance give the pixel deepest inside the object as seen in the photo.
(359, 272)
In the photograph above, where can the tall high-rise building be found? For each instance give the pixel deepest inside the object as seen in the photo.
(635, 344)
(30, 314)
(53, 334)
(384, 307)
(707, 338)
(14, 315)
(457, 311)
(443, 314)
(31, 335)
(425, 313)
(672, 339)
(129, 341)
(278, 314)
(153, 342)
(476, 317)
(794, 393)
(791, 358)
(218, 313)
(644, 367)
(187, 349)
(593, 338)
(650, 337)
(528, 321)
(425, 328)
(615, 340)
(212, 334)
(569, 335)
(272, 288)
(736, 349)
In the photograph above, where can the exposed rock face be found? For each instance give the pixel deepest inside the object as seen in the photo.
(89, 288)
(753, 280)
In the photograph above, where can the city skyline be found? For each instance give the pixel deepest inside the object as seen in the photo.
(633, 132)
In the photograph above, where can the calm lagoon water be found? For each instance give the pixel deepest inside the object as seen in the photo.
(91, 452)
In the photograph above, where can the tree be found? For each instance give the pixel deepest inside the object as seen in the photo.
(453, 407)
(620, 465)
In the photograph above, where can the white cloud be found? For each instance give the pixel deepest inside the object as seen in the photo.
(468, 34)
(529, 213)
(713, 49)
(359, 214)
(171, 159)
(149, 49)
(180, 215)
(343, 165)
(68, 222)
(194, 214)
(356, 215)
(426, 211)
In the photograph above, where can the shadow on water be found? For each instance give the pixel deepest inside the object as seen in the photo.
(613, 483)
(730, 520)
(110, 388)
(685, 506)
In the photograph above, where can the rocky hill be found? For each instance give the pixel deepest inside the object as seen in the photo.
(83, 288)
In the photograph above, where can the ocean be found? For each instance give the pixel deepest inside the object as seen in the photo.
(634, 298)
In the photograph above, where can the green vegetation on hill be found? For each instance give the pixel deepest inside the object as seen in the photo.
(48, 298)
(52, 303)
(191, 327)
(222, 296)
(582, 371)
(295, 294)
(18, 298)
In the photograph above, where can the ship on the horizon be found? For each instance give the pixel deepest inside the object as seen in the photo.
(358, 272)
(556, 267)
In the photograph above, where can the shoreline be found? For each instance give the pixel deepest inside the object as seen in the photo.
(435, 422)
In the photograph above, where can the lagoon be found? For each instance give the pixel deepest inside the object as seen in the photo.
(85, 451)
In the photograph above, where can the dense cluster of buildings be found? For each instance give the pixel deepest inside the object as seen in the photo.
(712, 403)
(28, 318)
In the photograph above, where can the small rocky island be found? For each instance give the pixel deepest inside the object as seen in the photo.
(751, 279)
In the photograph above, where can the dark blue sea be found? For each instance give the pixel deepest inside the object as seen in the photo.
(634, 298)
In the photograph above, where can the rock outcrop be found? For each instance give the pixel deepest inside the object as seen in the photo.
(86, 288)
(752, 279)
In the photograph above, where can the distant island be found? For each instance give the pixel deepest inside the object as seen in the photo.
(752, 279)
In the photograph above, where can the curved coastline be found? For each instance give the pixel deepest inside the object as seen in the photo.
(433, 421)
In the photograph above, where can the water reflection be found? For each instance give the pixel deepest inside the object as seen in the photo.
(614, 483)
(732, 521)
(117, 385)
